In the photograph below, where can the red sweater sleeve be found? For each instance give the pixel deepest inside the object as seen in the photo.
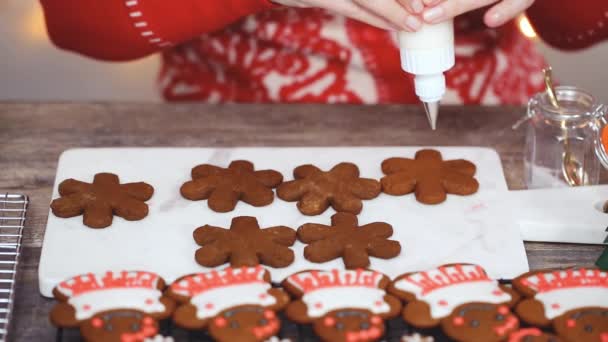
(568, 24)
(121, 30)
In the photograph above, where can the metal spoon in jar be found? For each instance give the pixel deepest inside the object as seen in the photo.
(572, 169)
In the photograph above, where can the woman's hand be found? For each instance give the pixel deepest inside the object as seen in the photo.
(440, 10)
(386, 14)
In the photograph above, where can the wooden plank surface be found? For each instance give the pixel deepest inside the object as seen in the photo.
(32, 136)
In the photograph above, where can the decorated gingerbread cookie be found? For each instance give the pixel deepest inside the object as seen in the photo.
(342, 305)
(532, 335)
(480, 322)
(429, 176)
(112, 306)
(553, 293)
(582, 325)
(99, 201)
(434, 294)
(244, 244)
(224, 187)
(236, 304)
(347, 240)
(341, 188)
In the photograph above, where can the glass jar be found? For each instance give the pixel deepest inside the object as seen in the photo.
(564, 146)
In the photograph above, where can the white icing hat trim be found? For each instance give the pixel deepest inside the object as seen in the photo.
(91, 303)
(557, 302)
(324, 300)
(211, 302)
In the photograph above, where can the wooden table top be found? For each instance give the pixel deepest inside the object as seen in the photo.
(32, 136)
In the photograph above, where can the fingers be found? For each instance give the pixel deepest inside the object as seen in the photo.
(446, 10)
(352, 10)
(505, 11)
(412, 6)
(394, 12)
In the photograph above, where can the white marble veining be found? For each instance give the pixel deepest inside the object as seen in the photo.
(463, 229)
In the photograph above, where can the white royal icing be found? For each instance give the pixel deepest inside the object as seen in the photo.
(159, 338)
(448, 294)
(211, 302)
(325, 300)
(90, 303)
(557, 302)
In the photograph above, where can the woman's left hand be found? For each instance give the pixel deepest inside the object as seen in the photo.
(503, 11)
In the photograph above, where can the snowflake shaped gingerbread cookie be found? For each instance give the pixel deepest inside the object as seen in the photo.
(99, 201)
(244, 244)
(429, 176)
(341, 188)
(347, 240)
(224, 187)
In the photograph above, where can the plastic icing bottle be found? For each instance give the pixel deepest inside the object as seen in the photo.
(427, 54)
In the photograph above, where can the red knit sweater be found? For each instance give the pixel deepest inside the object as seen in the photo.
(252, 51)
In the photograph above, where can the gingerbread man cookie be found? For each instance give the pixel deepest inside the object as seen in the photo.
(244, 244)
(341, 187)
(347, 240)
(99, 201)
(236, 304)
(342, 305)
(553, 293)
(429, 176)
(224, 187)
(582, 325)
(532, 335)
(480, 322)
(112, 306)
(433, 294)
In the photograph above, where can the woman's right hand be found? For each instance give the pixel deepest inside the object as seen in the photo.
(387, 14)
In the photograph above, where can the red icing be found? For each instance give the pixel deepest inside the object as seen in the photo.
(503, 310)
(329, 321)
(458, 321)
(198, 283)
(110, 280)
(449, 276)
(571, 323)
(220, 322)
(314, 280)
(97, 323)
(572, 278)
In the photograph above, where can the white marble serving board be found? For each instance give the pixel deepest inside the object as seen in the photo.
(463, 229)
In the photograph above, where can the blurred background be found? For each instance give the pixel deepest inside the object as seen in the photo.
(30, 66)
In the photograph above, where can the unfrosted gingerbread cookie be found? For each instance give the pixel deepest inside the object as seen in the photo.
(244, 244)
(341, 188)
(553, 293)
(342, 305)
(347, 240)
(532, 335)
(480, 322)
(112, 306)
(429, 176)
(101, 200)
(224, 187)
(433, 294)
(235, 304)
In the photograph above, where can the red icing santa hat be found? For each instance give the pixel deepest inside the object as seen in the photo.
(325, 291)
(215, 291)
(93, 293)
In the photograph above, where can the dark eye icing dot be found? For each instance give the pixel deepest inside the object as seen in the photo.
(234, 325)
(500, 317)
(340, 326)
(263, 321)
(135, 327)
(109, 327)
(588, 328)
(474, 323)
(364, 325)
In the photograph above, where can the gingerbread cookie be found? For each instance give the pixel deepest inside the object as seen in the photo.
(429, 176)
(480, 322)
(342, 305)
(99, 201)
(347, 240)
(236, 304)
(552, 293)
(532, 335)
(112, 306)
(224, 187)
(244, 244)
(582, 325)
(433, 294)
(341, 187)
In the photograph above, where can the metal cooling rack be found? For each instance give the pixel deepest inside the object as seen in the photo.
(12, 217)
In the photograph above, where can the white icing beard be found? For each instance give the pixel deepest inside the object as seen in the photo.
(444, 300)
(91, 303)
(212, 302)
(325, 300)
(557, 302)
